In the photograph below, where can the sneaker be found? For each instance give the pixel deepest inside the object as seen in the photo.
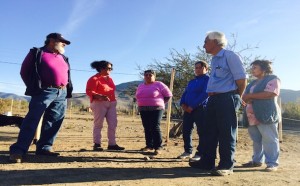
(252, 164)
(115, 147)
(15, 158)
(185, 155)
(271, 168)
(146, 149)
(97, 147)
(47, 153)
(195, 158)
(221, 172)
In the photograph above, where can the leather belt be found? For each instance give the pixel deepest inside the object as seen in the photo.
(216, 93)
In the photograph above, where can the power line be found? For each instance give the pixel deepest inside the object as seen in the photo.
(79, 70)
(10, 63)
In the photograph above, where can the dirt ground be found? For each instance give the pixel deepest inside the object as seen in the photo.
(79, 165)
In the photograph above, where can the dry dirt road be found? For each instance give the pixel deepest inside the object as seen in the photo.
(79, 165)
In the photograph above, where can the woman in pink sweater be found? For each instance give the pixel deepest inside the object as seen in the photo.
(151, 98)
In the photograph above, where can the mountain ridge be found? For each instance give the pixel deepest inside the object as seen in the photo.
(286, 95)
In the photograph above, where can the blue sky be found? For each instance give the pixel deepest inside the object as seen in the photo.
(131, 32)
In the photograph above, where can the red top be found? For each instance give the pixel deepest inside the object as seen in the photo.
(98, 84)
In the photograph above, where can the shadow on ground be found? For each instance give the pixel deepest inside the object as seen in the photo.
(81, 175)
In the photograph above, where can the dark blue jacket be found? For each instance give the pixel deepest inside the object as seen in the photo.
(195, 92)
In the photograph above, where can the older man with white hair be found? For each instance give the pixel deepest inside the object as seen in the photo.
(225, 87)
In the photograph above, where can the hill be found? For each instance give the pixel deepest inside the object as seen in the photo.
(4, 95)
(125, 101)
(289, 95)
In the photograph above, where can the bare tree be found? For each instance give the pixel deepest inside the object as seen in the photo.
(183, 62)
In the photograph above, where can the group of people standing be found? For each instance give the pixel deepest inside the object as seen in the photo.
(210, 101)
(212, 104)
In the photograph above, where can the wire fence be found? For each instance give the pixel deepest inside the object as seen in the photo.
(290, 124)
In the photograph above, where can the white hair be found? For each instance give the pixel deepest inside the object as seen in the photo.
(218, 36)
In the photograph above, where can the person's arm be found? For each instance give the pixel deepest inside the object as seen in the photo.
(202, 96)
(272, 90)
(182, 100)
(90, 90)
(237, 70)
(165, 91)
(241, 84)
(27, 68)
(259, 95)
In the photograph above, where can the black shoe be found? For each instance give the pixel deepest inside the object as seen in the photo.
(115, 147)
(97, 147)
(47, 153)
(252, 164)
(201, 165)
(15, 158)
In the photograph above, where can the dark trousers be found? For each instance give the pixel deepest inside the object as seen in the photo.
(197, 116)
(151, 124)
(221, 128)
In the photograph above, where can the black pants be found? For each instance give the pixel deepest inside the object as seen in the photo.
(220, 128)
(151, 123)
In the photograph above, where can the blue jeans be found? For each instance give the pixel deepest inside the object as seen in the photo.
(265, 143)
(197, 117)
(52, 103)
(221, 128)
(151, 124)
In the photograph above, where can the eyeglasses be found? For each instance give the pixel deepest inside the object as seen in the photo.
(110, 69)
(148, 74)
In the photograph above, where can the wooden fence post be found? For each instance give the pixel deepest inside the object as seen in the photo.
(169, 106)
(11, 106)
(280, 122)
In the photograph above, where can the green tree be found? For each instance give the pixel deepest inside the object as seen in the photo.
(291, 110)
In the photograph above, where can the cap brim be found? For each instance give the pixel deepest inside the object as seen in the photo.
(65, 41)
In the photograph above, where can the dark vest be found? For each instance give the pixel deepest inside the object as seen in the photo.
(265, 110)
(34, 86)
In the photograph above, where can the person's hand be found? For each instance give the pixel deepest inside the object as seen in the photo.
(189, 109)
(101, 97)
(244, 104)
(246, 99)
(105, 98)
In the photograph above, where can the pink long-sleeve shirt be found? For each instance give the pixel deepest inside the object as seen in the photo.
(152, 94)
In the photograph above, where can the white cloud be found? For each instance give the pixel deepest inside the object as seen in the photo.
(82, 9)
(247, 24)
